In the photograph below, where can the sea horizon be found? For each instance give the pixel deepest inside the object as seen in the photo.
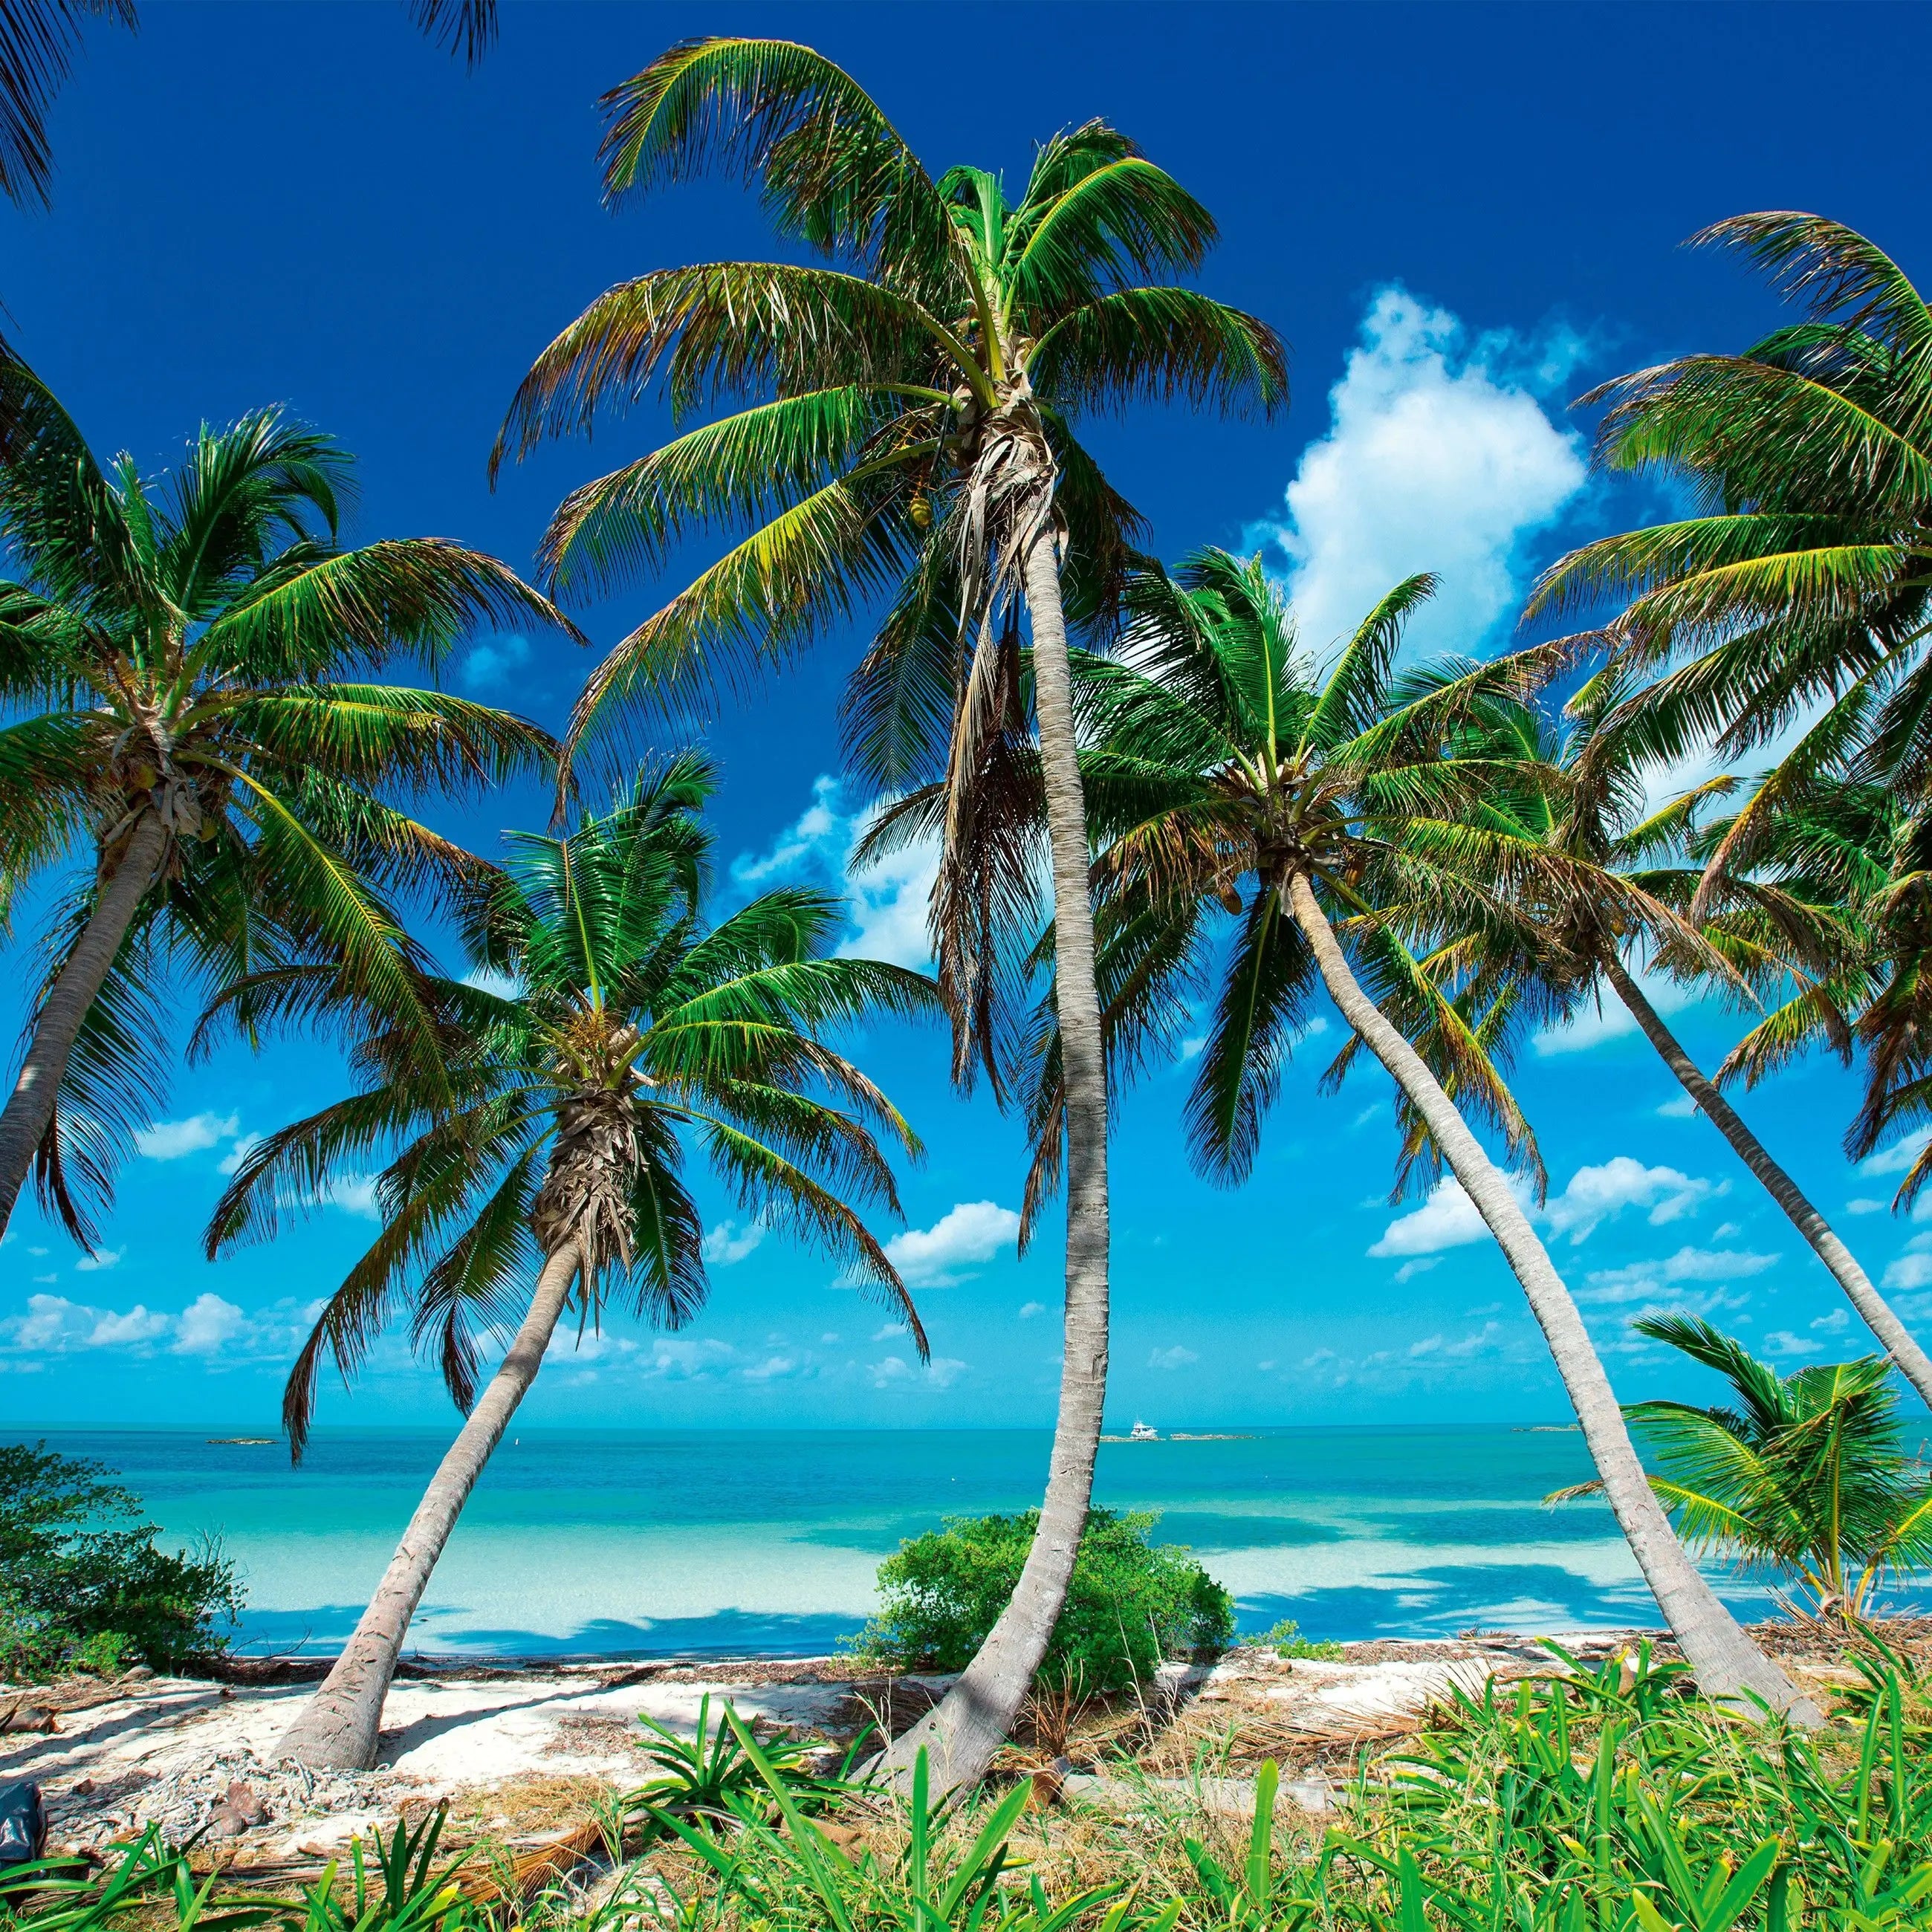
(644, 1543)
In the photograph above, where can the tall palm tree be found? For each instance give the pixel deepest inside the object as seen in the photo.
(1796, 600)
(1805, 1475)
(1224, 766)
(1580, 790)
(559, 1144)
(907, 433)
(39, 38)
(190, 665)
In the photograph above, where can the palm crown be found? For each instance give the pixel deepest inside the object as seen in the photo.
(889, 447)
(632, 1028)
(1222, 761)
(1797, 598)
(193, 668)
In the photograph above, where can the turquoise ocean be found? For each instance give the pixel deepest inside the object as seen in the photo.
(633, 1542)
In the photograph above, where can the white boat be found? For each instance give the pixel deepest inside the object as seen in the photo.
(1141, 1432)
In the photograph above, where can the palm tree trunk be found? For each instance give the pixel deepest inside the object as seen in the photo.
(1728, 1665)
(976, 1715)
(338, 1727)
(31, 1104)
(1874, 1310)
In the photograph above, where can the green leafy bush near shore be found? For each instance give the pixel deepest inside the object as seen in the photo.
(82, 1583)
(1132, 1604)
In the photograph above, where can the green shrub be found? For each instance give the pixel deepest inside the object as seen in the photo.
(82, 1582)
(1286, 1639)
(1131, 1603)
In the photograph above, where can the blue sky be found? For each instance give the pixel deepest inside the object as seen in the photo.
(1460, 217)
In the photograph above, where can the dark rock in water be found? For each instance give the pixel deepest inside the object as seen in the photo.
(23, 1824)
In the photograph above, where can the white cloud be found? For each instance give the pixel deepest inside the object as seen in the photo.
(1910, 1270)
(1608, 1019)
(488, 667)
(1028, 1309)
(1896, 1158)
(1438, 456)
(974, 1231)
(775, 1368)
(1835, 1323)
(1448, 1218)
(1420, 1265)
(887, 1331)
(113, 1331)
(1598, 1194)
(169, 1140)
(207, 1325)
(1175, 1357)
(1681, 1108)
(727, 1243)
(245, 1145)
(888, 901)
(1865, 1205)
(1645, 1281)
(101, 1258)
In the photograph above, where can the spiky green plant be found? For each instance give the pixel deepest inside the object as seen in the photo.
(552, 1140)
(901, 435)
(1803, 1477)
(201, 758)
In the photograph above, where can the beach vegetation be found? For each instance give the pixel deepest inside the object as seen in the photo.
(700, 1776)
(1286, 1639)
(901, 435)
(1132, 1604)
(537, 1160)
(83, 1583)
(1804, 1477)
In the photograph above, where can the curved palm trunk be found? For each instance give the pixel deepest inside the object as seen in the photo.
(31, 1104)
(1728, 1665)
(1874, 1310)
(338, 1727)
(962, 1734)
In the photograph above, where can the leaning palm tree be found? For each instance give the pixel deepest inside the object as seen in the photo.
(1802, 1476)
(1225, 770)
(907, 433)
(190, 665)
(556, 1144)
(1579, 789)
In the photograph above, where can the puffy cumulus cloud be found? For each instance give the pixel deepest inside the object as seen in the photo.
(1645, 1281)
(101, 1259)
(1820, 1338)
(1439, 456)
(208, 1326)
(888, 898)
(1448, 1218)
(169, 1140)
(1910, 1270)
(1596, 1195)
(974, 1231)
(1175, 1357)
(354, 1194)
(895, 1371)
(1681, 1108)
(1028, 1309)
(728, 1244)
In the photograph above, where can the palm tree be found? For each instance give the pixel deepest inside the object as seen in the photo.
(39, 38)
(1579, 790)
(559, 1144)
(907, 432)
(1225, 767)
(1805, 1474)
(1797, 599)
(190, 666)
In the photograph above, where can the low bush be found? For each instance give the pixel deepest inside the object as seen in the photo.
(82, 1583)
(1133, 1603)
(1286, 1639)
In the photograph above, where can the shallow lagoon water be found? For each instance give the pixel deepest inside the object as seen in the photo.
(637, 1542)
